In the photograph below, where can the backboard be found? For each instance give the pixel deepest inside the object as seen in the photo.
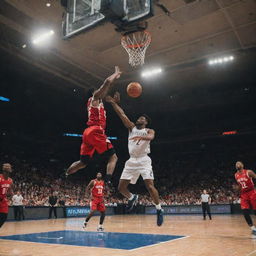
(84, 14)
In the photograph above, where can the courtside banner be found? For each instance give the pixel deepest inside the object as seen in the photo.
(83, 211)
(190, 209)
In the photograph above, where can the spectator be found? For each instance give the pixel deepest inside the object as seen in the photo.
(17, 202)
(52, 205)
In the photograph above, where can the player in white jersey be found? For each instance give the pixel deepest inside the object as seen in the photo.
(139, 163)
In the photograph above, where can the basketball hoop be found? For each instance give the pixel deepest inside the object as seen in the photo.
(136, 44)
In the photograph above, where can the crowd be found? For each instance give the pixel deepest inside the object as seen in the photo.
(37, 182)
(181, 171)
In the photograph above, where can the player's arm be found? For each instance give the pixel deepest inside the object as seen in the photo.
(89, 187)
(120, 112)
(209, 200)
(150, 136)
(103, 90)
(251, 174)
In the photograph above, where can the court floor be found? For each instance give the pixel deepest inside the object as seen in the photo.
(132, 235)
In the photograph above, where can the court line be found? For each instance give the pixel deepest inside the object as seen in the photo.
(142, 247)
(251, 253)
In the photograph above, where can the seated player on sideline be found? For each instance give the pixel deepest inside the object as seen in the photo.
(5, 189)
(94, 137)
(139, 163)
(96, 189)
(247, 192)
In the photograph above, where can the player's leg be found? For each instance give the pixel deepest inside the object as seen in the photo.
(86, 153)
(102, 209)
(155, 197)
(245, 206)
(103, 146)
(3, 218)
(88, 217)
(208, 211)
(74, 167)
(123, 188)
(128, 176)
(204, 210)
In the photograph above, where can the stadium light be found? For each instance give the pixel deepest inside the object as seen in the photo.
(42, 37)
(48, 4)
(221, 60)
(152, 72)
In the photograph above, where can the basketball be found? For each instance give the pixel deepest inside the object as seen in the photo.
(134, 90)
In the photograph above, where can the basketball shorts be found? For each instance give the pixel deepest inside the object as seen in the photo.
(97, 204)
(94, 139)
(248, 200)
(134, 167)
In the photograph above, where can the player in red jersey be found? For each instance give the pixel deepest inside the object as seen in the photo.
(5, 189)
(96, 188)
(94, 137)
(247, 192)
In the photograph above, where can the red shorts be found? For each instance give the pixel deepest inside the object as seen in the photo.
(3, 207)
(248, 200)
(94, 138)
(97, 204)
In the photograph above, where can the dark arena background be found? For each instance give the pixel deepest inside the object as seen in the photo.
(196, 64)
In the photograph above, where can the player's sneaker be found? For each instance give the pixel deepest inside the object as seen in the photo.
(132, 203)
(85, 225)
(160, 217)
(100, 229)
(254, 232)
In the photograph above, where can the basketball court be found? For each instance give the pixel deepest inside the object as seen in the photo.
(130, 235)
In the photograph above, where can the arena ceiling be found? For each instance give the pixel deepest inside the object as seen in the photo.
(182, 41)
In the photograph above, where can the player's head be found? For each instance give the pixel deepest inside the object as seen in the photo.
(204, 191)
(239, 165)
(99, 176)
(18, 192)
(143, 121)
(7, 169)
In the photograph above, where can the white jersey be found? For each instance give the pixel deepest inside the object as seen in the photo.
(138, 148)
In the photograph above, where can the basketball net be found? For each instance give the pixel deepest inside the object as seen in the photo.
(136, 45)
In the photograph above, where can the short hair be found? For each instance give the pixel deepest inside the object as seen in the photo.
(147, 118)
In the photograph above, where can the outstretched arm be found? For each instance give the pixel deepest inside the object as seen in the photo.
(251, 174)
(103, 90)
(114, 102)
(89, 187)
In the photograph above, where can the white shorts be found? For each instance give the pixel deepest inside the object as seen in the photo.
(134, 167)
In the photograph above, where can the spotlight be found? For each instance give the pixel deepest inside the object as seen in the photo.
(48, 4)
(221, 60)
(24, 46)
(149, 73)
(42, 37)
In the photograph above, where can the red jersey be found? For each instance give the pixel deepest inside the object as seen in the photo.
(4, 187)
(98, 188)
(245, 181)
(96, 115)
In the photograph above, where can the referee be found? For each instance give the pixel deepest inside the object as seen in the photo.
(206, 200)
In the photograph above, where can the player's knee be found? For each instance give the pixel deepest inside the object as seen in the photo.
(121, 188)
(150, 187)
(114, 158)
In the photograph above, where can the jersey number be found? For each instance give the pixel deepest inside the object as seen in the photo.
(4, 191)
(100, 190)
(243, 184)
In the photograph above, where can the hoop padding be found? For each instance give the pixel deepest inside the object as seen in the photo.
(136, 45)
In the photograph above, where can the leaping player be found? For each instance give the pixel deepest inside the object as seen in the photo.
(247, 193)
(5, 189)
(94, 137)
(96, 189)
(139, 163)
